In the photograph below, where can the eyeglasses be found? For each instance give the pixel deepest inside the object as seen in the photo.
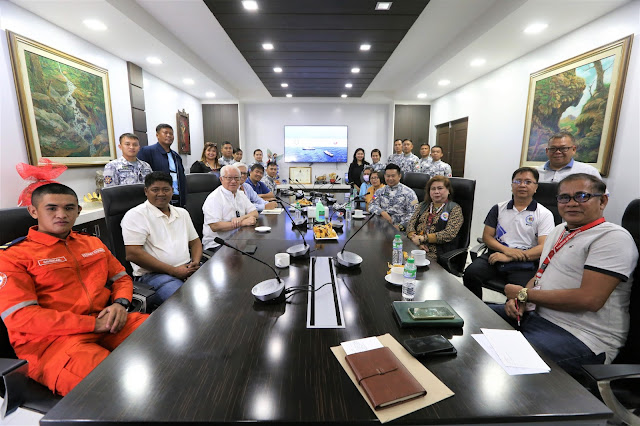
(578, 197)
(526, 182)
(243, 173)
(562, 149)
(236, 178)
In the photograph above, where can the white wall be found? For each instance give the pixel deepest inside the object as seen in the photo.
(263, 127)
(496, 106)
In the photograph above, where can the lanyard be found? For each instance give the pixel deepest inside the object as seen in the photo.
(562, 240)
(432, 215)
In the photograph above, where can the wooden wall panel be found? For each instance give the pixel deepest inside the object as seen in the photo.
(412, 122)
(221, 123)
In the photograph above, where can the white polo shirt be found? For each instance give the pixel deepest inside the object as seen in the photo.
(520, 229)
(221, 206)
(165, 238)
(548, 175)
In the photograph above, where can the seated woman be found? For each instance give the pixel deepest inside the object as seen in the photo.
(209, 160)
(376, 179)
(436, 221)
(364, 178)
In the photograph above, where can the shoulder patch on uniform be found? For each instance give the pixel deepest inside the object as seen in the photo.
(108, 179)
(3, 280)
(12, 243)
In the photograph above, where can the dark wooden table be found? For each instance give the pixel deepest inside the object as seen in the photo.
(210, 354)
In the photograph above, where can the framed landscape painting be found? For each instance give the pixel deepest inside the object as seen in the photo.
(64, 105)
(582, 96)
(184, 134)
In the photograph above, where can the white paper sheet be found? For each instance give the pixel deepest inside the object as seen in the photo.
(277, 210)
(512, 371)
(513, 349)
(361, 345)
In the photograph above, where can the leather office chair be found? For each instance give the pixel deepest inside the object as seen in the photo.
(199, 186)
(116, 201)
(464, 194)
(17, 389)
(619, 383)
(417, 182)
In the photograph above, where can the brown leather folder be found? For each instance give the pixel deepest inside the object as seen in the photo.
(383, 377)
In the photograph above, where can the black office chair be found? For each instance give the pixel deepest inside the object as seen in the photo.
(19, 390)
(116, 201)
(464, 194)
(199, 186)
(417, 182)
(618, 382)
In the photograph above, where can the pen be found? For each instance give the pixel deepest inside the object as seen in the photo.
(517, 312)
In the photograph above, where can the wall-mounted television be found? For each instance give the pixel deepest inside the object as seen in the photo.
(315, 144)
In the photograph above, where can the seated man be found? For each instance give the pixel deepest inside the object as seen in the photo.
(160, 240)
(514, 232)
(226, 208)
(396, 201)
(271, 178)
(128, 169)
(581, 290)
(255, 181)
(61, 316)
(258, 202)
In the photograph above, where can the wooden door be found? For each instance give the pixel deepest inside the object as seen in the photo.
(452, 137)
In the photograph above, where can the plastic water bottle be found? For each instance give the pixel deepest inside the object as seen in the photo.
(296, 213)
(347, 212)
(397, 257)
(409, 281)
(319, 212)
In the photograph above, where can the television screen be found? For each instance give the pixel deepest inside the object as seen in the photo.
(315, 144)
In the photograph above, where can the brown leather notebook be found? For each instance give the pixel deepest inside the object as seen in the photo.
(383, 377)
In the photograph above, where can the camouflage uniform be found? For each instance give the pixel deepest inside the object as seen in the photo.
(424, 165)
(395, 159)
(270, 182)
(226, 162)
(378, 167)
(398, 201)
(408, 163)
(122, 172)
(440, 168)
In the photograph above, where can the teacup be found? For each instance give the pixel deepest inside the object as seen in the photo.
(397, 274)
(311, 211)
(282, 260)
(358, 213)
(419, 256)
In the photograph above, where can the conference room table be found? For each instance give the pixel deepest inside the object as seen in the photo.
(211, 354)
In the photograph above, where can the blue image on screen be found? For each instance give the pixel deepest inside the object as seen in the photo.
(315, 144)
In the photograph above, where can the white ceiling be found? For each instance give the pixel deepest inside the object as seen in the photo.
(440, 45)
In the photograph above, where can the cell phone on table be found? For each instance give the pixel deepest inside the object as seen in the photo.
(251, 248)
(434, 313)
(430, 346)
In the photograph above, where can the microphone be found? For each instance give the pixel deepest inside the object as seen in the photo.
(297, 250)
(349, 259)
(266, 290)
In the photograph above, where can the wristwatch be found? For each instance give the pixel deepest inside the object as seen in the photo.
(124, 302)
(523, 296)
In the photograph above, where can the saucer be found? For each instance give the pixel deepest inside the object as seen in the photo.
(337, 224)
(426, 262)
(263, 229)
(358, 217)
(391, 281)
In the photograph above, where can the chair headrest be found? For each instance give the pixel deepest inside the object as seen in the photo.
(118, 200)
(202, 182)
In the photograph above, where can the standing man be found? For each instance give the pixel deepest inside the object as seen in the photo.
(160, 240)
(226, 208)
(396, 157)
(63, 295)
(257, 158)
(439, 167)
(237, 155)
(126, 170)
(227, 155)
(514, 232)
(162, 158)
(425, 162)
(271, 178)
(409, 160)
(396, 201)
(560, 151)
(255, 181)
(247, 188)
(581, 292)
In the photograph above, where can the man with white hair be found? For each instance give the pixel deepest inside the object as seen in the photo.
(260, 203)
(226, 208)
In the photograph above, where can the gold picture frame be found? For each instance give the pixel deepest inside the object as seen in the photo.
(581, 95)
(301, 175)
(184, 132)
(65, 105)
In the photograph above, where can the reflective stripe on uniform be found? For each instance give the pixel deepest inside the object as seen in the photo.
(17, 306)
(118, 276)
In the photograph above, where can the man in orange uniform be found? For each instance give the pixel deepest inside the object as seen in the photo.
(63, 296)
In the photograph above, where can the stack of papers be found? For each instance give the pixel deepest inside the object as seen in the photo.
(512, 351)
(277, 210)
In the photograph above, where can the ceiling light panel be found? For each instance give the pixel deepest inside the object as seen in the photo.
(284, 85)
(536, 28)
(384, 5)
(250, 4)
(422, 95)
(277, 69)
(478, 62)
(154, 60)
(444, 82)
(365, 47)
(348, 85)
(188, 81)
(94, 25)
(355, 70)
(267, 46)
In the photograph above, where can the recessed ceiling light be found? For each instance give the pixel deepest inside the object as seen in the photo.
(422, 95)
(277, 69)
(267, 46)
(284, 85)
(383, 5)
(365, 47)
(154, 60)
(343, 95)
(355, 70)
(95, 25)
(289, 95)
(348, 85)
(210, 95)
(478, 62)
(443, 83)
(188, 81)
(250, 4)
(536, 28)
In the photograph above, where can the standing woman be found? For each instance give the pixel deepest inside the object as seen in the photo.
(376, 155)
(376, 180)
(209, 160)
(356, 167)
(436, 221)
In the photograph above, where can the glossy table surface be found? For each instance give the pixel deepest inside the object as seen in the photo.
(211, 354)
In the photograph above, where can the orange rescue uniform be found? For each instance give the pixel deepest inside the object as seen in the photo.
(51, 291)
